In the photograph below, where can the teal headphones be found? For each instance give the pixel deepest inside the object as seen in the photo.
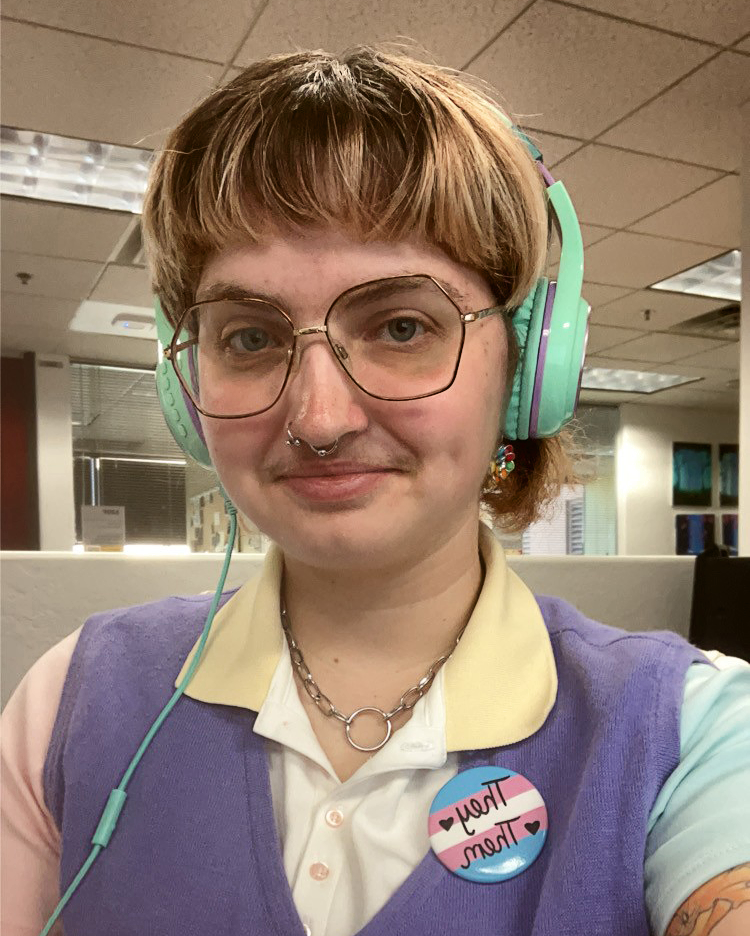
(550, 325)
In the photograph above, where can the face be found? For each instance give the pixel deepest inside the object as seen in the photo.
(405, 475)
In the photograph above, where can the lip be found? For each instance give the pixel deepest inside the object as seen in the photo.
(335, 483)
(333, 469)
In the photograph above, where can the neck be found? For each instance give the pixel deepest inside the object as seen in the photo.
(395, 619)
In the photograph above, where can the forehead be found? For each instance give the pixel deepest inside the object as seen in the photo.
(310, 269)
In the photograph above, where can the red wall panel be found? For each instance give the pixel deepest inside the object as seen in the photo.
(19, 505)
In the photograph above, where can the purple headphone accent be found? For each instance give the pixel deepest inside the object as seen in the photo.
(545, 174)
(193, 413)
(541, 357)
(189, 405)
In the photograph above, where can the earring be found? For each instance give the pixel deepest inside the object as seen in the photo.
(503, 463)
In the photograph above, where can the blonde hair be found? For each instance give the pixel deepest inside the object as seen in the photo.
(373, 141)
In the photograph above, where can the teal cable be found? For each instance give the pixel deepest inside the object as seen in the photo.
(117, 797)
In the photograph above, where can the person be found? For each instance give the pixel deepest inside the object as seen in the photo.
(385, 731)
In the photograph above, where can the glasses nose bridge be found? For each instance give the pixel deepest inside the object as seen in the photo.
(311, 330)
(337, 351)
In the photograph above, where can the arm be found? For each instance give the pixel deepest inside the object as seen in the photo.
(30, 857)
(721, 906)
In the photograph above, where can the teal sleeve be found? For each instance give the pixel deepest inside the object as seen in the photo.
(700, 823)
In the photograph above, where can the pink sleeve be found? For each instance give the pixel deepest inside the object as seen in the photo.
(30, 856)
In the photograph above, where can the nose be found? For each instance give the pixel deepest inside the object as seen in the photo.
(322, 402)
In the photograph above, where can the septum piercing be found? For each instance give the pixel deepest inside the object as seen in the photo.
(293, 440)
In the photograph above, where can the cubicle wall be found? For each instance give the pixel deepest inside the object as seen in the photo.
(46, 596)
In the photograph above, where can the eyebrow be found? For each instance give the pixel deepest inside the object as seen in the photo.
(236, 291)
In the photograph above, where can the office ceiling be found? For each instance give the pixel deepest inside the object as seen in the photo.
(634, 104)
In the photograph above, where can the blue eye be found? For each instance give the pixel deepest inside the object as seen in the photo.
(250, 339)
(403, 329)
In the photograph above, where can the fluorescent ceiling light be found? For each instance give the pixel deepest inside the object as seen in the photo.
(73, 172)
(718, 278)
(107, 318)
(628, 381)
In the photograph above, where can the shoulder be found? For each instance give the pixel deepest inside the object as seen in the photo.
(569, 626)
(163, 629)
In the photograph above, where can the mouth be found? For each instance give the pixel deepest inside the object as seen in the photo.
(335, 482)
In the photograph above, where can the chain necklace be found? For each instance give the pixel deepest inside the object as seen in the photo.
(407, 701)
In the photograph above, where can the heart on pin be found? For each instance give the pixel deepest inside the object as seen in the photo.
(446, 823)
(532, 827)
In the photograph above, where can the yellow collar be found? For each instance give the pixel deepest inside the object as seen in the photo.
(500, 683)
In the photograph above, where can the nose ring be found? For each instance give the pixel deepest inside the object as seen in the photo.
(294, 440)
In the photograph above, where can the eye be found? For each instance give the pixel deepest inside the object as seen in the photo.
(250, 339)
(403, 329)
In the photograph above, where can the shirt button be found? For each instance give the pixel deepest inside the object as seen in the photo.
(306, 929)
(334, 818)
(319, 871)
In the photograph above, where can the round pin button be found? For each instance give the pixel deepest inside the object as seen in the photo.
(488, 824)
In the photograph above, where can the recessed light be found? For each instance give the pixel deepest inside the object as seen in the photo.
(70, 171)
(719, 278)
(629, 381)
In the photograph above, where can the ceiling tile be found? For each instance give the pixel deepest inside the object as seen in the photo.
(590, 234)
(50, 276)
(666, 309)
(553, 147)
(18, 338)
(59, 231)
(337, 26)
(639, 260)
(609, 397)
(710, 379)
(615, 187)
(190, 27)
(89, 88)
(564, 68)
(698, 120)
(720, 21)
(689, 398)
(602, 337)
(710, 216)
(124, 285)
(664, 348)
(110, 349)
(744, 46)
(597, 295)
(620, 363)
(726, 356)
(26, 311)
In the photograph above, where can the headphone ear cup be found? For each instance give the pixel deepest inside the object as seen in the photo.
(179, 412)
(181, 416)
(527, 326)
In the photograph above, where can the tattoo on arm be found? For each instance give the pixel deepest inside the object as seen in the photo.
(708, 906)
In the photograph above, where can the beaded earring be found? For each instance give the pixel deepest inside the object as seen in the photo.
(503, 463)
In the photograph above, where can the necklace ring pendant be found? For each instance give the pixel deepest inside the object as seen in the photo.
(360, 711)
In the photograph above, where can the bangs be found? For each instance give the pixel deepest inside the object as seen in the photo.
(376, 144)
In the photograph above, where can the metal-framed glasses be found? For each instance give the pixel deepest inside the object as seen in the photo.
(397, 339)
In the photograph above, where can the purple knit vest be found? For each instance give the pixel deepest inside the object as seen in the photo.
(196, 852)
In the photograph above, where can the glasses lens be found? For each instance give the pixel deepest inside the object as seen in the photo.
(240, 361)
(397, 338)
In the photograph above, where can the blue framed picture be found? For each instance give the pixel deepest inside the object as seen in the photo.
(729, 532)
(692, 480)
(694, 533)
(729, 475)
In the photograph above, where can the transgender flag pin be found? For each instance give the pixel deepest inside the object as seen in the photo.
(488, 824)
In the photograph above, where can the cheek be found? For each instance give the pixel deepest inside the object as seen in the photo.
(234, 444)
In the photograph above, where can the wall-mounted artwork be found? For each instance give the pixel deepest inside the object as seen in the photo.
(691, 474)
(729, 532)
(694, 533)
(729, 475)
